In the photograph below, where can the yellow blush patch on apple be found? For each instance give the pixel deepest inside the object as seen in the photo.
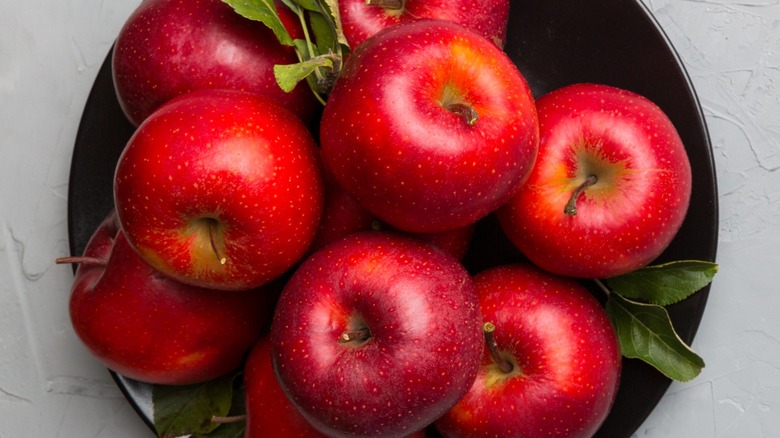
(495, 378)
(467, 69)
(204, 258)
(592, 161)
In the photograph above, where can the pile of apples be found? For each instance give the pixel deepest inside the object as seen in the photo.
(321, 248)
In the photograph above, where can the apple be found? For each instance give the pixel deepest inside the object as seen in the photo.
(220, 189)
(552, 362)
(343, 215)
(361, 19)
(148, 327)
(455, 242)
(430, 127)
(169, 47)
(269, 414)
(610, 188)
(376, 334)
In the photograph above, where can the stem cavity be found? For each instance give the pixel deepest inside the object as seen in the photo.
(490, 340)
(469, 114)
(570, 208)
(213, 238)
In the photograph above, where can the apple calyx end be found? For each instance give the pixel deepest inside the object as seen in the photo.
(490, 340)
(570, 209)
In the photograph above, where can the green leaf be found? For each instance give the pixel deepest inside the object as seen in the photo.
(264, 11)
(188, 409)
(664, 284)
(323, 32)
(227, 430)
(309, 5)
(288, 76)
(645, 332)
(236, 428)
(333, 11)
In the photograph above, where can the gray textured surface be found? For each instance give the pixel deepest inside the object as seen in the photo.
(49, 55)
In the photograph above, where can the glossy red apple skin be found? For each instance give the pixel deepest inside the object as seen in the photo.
(343, 215)
(169, 47)
(235, 159)
(635, 209)
(269, 414)
(392, 139)
(565, 354)
(488, 18)
(425, 341)
(148, 327)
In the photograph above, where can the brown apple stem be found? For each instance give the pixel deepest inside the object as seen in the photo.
(229, 419)
(213, 240)
(490, 339)
(82, 260)
(394, 5)
(469, 114)
(571, 206)
(360, 335)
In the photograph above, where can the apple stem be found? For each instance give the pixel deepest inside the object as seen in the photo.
(490, 339)
(603, 287)
(229, 419)
(394, 5)
(82, 260)
(468, 113)
(571, 207)
(361, 335)
(213, 240)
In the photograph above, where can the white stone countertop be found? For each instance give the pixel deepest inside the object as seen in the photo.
(50, 52)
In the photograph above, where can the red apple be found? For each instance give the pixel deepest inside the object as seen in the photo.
(554, 367)
(430, 126)
(220, 189)
(610, 187)
(363, 18)
(343, 216)
(169, 47)
(376, 334)
(269, 414)
(148, 327)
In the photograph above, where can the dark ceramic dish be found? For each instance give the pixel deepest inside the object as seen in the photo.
(554, 43)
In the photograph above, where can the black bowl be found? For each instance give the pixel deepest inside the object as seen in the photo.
(554, 43)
